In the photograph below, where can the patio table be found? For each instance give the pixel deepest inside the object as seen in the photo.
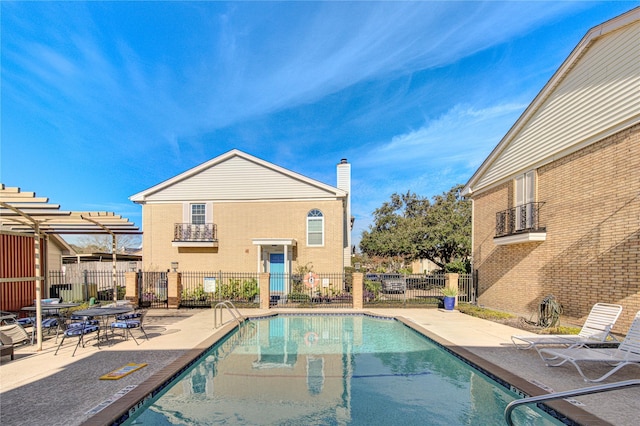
(48, 310)
(104, 314)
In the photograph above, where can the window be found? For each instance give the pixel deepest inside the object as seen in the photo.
(525, 197)
(315, 228)
(198, 216)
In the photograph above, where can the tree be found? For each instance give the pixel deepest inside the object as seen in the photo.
(411, 227)
(101, 243)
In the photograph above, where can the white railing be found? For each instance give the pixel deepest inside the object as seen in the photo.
(230, 307)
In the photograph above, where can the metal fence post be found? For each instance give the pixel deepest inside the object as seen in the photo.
(85, 281)
(139, 280)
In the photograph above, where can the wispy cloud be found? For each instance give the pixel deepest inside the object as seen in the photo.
(429, 160)
(253, 69)
(462, 135)
(131, 93)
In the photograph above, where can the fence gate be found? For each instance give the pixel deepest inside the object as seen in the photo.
(153, 289)
(467, 284)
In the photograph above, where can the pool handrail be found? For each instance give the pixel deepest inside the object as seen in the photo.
(565, 394)
(228, 304)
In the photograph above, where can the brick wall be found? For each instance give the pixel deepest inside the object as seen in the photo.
(592, 250)
(237, 224)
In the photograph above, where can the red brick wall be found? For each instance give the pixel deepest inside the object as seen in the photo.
(592, 250)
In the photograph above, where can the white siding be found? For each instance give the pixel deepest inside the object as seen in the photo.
(599, 96)
(239, 179)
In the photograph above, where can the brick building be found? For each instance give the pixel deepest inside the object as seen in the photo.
(238, 213)
(556, 205)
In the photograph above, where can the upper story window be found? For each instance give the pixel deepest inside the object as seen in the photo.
(198, 214)
(525, 198)
(315, 228)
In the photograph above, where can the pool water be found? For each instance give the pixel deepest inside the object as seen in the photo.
(331, 370)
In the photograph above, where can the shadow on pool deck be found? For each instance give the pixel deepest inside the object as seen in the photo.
(61, 390)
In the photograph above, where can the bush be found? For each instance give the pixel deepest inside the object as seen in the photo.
(374, 287)
(298, 298)
(458, 267)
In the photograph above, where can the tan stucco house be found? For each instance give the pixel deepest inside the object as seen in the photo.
(239, 213)
(556, 205)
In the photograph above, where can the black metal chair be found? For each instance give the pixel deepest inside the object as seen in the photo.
(127, 322)
(79, 329)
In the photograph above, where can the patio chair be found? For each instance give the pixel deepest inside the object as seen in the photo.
(79, 329)
(49, 324)
(627, 353)
(127, 322)
(6, 345)
(596, 330)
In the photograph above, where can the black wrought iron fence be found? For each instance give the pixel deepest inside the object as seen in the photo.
(204, 289)
(81, 286)
(330, 290)
(403, 289)
(153, 289)
(467, 288)
(413, 290)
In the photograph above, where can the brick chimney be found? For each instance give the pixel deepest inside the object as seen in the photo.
(344, 183)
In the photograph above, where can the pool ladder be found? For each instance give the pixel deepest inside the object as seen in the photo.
(231, 308)
(566, 394)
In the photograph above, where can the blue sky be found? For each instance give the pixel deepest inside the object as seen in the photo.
(101, 100)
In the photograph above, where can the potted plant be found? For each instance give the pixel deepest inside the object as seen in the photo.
(449, 297)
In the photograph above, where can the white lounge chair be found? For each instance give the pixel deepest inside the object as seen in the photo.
(596, 329)
(628, 352)
(16, 333)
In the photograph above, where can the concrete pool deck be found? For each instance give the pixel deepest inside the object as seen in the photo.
(40, 388)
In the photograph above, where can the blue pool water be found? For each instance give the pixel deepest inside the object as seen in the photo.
(331, 370)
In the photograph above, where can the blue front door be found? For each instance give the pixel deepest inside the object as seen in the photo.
(276, 268)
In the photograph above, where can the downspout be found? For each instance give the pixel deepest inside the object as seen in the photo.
(473, 215)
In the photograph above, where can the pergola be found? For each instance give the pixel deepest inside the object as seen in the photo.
(24, 213)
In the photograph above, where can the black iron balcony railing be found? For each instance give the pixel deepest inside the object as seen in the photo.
(193, 232)
(519, 219)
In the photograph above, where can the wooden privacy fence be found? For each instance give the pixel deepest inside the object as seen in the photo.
(17, 271)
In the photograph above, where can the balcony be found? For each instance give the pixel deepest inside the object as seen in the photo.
(192, 235)
(519, 224)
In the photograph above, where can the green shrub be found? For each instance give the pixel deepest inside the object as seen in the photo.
(374, 287)
(458, 267)
(298, 298)
(449, 292)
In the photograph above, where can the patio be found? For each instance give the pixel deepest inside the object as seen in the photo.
(61, 390)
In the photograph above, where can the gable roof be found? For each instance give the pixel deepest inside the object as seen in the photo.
(594, 94)
(237, 175)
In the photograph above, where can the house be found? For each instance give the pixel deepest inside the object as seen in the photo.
(238, 213)
(556, 205)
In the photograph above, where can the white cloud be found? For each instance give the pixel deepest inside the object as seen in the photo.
(431, 159)
(462, 135)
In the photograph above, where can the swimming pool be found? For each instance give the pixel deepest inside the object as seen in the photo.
(330, 370)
